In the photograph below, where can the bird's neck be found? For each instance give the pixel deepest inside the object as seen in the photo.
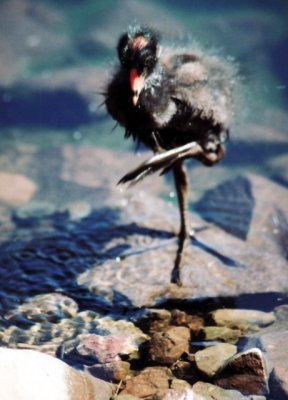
(156, 97)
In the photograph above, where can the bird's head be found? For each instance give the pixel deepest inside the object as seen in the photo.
(138, 53)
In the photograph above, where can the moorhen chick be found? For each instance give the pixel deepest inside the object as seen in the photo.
(176, 101)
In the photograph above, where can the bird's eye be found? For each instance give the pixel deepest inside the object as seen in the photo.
(149, 62)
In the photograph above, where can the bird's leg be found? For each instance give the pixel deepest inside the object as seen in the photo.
(181, 184)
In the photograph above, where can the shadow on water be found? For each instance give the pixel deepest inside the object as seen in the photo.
(59, 108)
(51, 261)
(37, 262)
(230, 206)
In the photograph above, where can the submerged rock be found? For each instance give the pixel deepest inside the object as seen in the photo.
(52, 307)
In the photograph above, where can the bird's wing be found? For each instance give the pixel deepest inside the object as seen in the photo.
(162, 161)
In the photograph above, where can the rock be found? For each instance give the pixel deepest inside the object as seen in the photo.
(16, 189)
(121, 338)
(30, 375)
(115, 371)
(212, 392)
(275, 347)
(167, 347)
(149, 383)
(211, 360)
(243, 319)
(105, 349)
(52, 307)
(185, 370)
(222, 333)
(182, 394)
(194, 322)
(156, 320)
(246, 372)
(125, 397)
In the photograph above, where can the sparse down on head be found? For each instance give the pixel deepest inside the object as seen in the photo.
(138, 53)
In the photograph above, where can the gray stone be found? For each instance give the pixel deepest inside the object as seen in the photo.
(212, 392)
(246, 371)
(276, 349)
(30, 375)
(242, 319)
(211, 360)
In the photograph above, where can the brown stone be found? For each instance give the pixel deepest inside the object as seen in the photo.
(185, 370)
(167, 347)
(114, 371)
(149, 383)
(246, 372)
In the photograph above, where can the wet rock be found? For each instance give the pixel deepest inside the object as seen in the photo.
(52, 307)
(275, 347)
(242, 319)
(16, 189)
(115, 371)
(212, 392)
(167, 347)
(30, 375)
(211, 360)
(152, 382)
(222, 263)
(222, 333)
(246, 372)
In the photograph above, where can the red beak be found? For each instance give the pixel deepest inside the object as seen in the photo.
(136, 83)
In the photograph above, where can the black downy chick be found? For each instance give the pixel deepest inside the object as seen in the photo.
(176, 101)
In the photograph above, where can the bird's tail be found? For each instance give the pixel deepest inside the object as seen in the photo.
(163, 161)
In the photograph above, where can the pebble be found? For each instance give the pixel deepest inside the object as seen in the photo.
(211, 360)
(242, 319)
(246, 372)
(167, 347)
